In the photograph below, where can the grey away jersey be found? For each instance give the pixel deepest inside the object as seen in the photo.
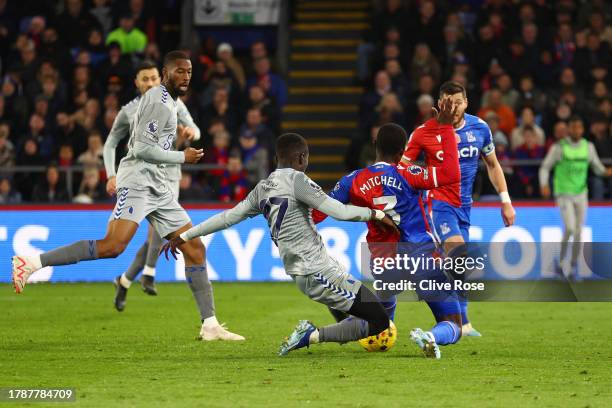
(285, 199)
(153, 133)
(122, 127)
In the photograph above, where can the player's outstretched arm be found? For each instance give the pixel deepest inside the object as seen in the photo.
(245, 209)
(309, 193)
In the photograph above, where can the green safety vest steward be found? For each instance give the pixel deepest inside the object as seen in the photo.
(572, 170)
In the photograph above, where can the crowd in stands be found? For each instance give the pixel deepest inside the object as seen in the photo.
(67, 68)
(528, 67)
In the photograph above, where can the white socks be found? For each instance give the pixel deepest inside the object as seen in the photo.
(314, 337)
(210, 322)
(125, 282)
(149, 271)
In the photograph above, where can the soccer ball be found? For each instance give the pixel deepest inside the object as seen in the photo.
(382, 341)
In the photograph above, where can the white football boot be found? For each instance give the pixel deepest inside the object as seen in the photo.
(218, 332)
(23, 267)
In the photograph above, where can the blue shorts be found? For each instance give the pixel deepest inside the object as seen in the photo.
(448, 221)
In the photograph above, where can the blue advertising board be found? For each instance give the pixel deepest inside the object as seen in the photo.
(246, 253)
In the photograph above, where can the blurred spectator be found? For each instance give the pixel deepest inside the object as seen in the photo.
(70, 133)
(91, 190)
(531, 96)
(66, 156)
(510, 96)
(425, 104)
(234, 184)
(597, 26)
(220, 78)
(7, 150)
(426, 27)
(529, 149)
(73, 22)
(51, 189)
(130, 38)
(424, 62)
(189, 192)
(399, 82)
(39, 133)
(254, 158)
(220, 109)
(560, 131)
(7, 194)
(101, 11)
(565, 47)
(602, 139)
(116, 64)
(507, 118)
(92, 157)
(382, 86)
(219, 154)
(88, 117)
(269, 111)
(254, 127)
(273, 84)
(527, 120)
(389, 109)
(225, 53)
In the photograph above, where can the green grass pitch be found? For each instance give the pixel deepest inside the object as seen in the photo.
(69, 335)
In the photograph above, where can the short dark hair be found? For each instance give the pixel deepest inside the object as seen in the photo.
(391, 139)
(289, 144)
(173, 56)
(452, 88)
(576, 118)
(146, 64)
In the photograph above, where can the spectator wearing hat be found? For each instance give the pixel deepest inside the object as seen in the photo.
(7, 194)
(130, 39)
(225, 53)
(254, 157)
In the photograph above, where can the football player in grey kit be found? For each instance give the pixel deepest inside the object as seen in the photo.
(143, 192)
(286, 198)
(147, 77)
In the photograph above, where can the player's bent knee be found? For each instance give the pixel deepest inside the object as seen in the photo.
(111, 249)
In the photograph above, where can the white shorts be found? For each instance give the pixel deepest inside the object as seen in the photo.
(163, 211)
